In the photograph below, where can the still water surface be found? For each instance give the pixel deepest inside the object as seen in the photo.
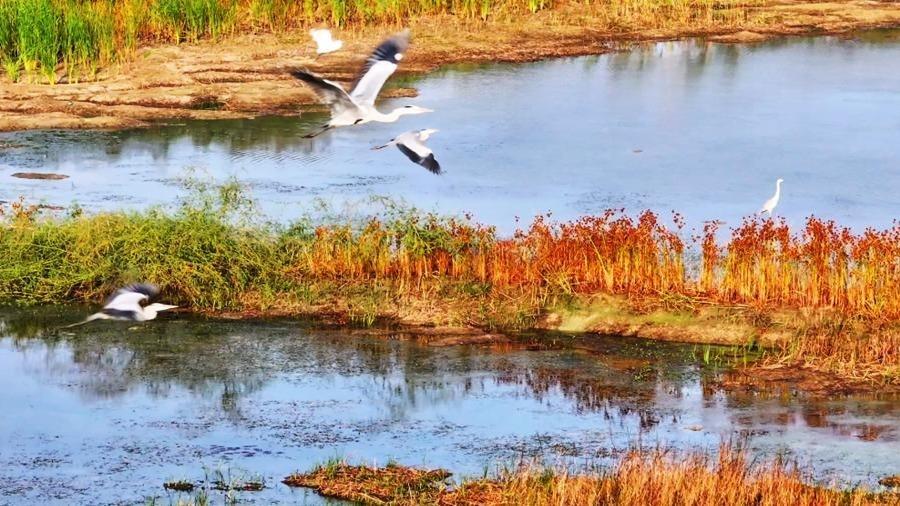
(105, 414)
(697, 127)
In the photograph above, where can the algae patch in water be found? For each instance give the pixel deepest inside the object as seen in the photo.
(179, 486)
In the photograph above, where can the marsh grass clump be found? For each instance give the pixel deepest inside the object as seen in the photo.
(640, 478)
(373, 485)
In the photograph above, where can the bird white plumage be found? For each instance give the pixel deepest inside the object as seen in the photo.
(770, 204)
(358, 106)
(412, 144)
(130, 303)
(324, 41)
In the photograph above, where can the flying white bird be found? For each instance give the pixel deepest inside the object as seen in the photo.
(130, 303)
(412, 144)
(770, 204)
(358, 106)
(324, 43)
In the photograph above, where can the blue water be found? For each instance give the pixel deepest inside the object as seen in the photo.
(697, 127)
(107, 413)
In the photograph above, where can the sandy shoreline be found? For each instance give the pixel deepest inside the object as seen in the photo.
(247, 76)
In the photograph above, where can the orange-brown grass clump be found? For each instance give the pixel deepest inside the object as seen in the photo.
(823, 266)
(641, 479)
(610, 253)
(846, 277)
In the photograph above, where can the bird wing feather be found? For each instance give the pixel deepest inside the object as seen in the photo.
(370, 84)
(420, 154)
(321, 36)
(329, 91)
(131, 297)
(379, 66)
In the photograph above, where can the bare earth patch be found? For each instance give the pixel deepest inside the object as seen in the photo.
(247, 76)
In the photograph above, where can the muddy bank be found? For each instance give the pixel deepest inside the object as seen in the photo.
(246, 76)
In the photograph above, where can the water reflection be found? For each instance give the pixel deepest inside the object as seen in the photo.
(138, 404)
(699, 127)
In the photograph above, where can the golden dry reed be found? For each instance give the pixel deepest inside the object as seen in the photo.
(657, 479)
(640, 478)
(763, 264)
(610, 253)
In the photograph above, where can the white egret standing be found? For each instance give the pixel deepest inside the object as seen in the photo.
(412, 144)
(770, 204)
(324, 43)
(358, 106)
(130, 303)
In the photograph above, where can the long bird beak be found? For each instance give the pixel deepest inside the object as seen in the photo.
(156, 306)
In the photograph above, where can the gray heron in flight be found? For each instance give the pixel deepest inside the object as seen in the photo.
(324, 43)
(130, 303)
(358, 106)
(770, 204)
(412, 144)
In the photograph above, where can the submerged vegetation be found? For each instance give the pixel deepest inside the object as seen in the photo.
(36, 36)
(213, 253)
(655, 478)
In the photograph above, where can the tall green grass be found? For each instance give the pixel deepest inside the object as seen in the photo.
(202, 252)
(42, 37)
(39, 33)
(193, 19)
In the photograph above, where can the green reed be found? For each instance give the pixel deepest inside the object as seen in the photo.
(89, 36)
(39, 32)
(192, 19)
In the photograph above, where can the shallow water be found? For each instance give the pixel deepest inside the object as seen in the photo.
(106, 413)
(701, 128)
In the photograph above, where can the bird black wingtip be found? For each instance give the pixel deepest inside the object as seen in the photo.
(301, 74)
(431, 164)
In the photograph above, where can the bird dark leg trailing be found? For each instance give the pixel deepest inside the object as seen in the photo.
(317, 133)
